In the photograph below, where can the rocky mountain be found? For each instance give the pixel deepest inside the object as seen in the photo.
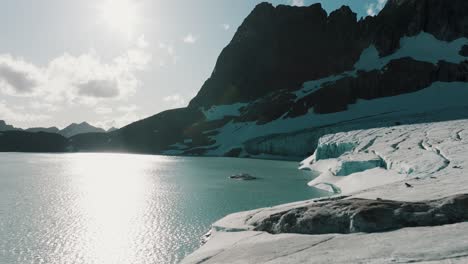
(293, 74)
(112, 129)
(5, 127)
(82, 128)
(69, 131)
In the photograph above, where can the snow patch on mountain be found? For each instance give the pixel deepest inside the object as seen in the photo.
(218, 112)
(422, 47)
(312, 86)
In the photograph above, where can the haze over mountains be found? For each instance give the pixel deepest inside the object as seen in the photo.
(69, 131)
(293, 74)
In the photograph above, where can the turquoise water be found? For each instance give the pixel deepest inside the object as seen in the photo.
(120, 209)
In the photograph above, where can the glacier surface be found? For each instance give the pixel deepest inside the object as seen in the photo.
(408, 163)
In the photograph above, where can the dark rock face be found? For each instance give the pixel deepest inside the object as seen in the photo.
(464, 51)
(362, 215)
(234, 153)
(400, 76)
(446, 20)
(282, 47)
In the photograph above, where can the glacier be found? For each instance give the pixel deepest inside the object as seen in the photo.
(421, 164)
(439, 97)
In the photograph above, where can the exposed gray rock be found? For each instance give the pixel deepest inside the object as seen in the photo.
(362, 215)
(243, 177)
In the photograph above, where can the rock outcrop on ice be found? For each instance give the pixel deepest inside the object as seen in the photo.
(293, 74)
(409, 207)
(356, 215)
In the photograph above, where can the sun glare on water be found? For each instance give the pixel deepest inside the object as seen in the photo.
(113, 193)
(121, 16)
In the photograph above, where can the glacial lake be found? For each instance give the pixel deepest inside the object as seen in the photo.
(120, 208)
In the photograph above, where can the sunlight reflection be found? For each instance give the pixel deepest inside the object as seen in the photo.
(113, 195)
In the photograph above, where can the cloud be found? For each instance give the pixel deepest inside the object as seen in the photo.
(226, 26)
(170, 54)
(76, 79)
(103, 110)
(175, 100)
(374, 8)
(15, 116)
(127, 115)
(170, 50)
(297, 2)
(99, 89)
(142, 43)
(190, 39)
(39, 106)
(129, 108)
(18, 77)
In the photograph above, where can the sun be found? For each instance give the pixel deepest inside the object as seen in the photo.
(119, 15)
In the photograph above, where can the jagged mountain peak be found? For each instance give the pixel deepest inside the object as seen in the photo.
(292, 74)
(80, 128)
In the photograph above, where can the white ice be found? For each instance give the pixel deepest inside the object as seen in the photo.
(431, 157)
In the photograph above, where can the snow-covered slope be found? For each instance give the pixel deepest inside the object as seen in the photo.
(413, 106)
(409, 163)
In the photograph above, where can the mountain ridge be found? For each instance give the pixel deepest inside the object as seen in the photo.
(289, 66)
(69, 131)
(292, 74)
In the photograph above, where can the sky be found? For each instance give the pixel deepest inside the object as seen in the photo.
(112, 62)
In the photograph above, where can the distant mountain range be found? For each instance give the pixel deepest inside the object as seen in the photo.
(293, 74)
(69, 131)
(82, 128)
